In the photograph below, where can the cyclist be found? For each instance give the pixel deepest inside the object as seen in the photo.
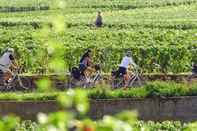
(85, 66)
(123, 67)
(194, 71)
(7, 61)
(194, 68)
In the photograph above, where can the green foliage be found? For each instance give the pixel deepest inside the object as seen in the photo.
(23, 3)
(53, 40)
(163, 126)
(44, 84)
(110, 94)
(27, 125)
(167, 89)
(126, 121)
(173, 50)
(151, 89)
(8, 123)
(77, 98)
(106, 125)
(156, 37)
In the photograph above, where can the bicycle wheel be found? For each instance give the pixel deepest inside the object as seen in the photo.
(2, 85)
(95, 80)
(72, 83)
(136, 81)
(118, 83)
(25, 83)
(192, 78)
(21, 83)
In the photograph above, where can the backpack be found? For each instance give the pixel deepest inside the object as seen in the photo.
(75, 73)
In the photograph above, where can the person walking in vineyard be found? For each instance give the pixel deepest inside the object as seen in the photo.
(127, 60)
(7, 61)
(99, 20)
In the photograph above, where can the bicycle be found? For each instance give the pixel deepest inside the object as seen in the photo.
(193, 76)
(135, 80)
(82, 81)
(15, 83)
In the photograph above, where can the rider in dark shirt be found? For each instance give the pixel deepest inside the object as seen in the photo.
(85, 62)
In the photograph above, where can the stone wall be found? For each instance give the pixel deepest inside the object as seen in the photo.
(28, 109)
(157, 109)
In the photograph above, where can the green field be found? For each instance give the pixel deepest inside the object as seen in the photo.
(159, 32)
(162, 32)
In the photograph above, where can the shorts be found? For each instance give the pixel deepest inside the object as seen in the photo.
(121, 72)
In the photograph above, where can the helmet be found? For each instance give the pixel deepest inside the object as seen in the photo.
(128, 53)
(10, 50)
(89, 50)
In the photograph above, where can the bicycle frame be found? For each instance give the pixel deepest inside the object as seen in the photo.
(96, 77)
(14, 77)
(90, 81)
(193, 76)
(135, 76)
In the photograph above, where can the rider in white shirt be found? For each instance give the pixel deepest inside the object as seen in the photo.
(123, 67)
(126, 61)
(7, 61)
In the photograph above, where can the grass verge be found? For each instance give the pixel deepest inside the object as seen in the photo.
(152, 89)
